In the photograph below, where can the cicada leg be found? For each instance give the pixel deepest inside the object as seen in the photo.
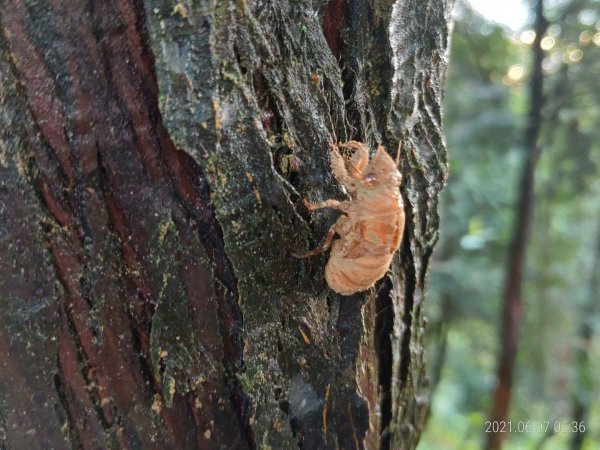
(341, 227)
(323, 247)
(334, 204)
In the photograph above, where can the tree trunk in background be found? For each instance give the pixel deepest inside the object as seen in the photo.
(513, 308)
(585, 379)
(152, 158)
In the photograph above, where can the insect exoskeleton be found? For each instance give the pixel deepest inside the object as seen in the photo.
(372, 222)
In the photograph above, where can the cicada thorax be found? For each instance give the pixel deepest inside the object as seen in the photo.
(380, 221)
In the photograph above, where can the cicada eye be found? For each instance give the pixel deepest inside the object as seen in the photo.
(370, 178)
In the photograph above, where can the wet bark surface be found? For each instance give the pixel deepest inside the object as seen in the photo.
(153, 156)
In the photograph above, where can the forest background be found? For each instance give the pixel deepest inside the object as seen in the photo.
(487, 108)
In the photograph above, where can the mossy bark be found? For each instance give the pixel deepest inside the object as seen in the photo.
(153, 156)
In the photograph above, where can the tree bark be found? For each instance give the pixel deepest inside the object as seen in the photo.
(153, 156)
(513, 302)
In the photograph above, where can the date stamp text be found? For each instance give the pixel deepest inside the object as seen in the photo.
(532, 426)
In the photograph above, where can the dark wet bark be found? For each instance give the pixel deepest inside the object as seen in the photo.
(152, 158)
(440, 338)
(513, 302)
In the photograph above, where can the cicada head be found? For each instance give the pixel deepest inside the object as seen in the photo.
(382, 170)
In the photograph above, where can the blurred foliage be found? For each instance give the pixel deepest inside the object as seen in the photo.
(486, 110)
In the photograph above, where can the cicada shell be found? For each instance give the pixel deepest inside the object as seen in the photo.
(372, 222)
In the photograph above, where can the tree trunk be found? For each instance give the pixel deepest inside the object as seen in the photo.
(152, 158)
(513, 302)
